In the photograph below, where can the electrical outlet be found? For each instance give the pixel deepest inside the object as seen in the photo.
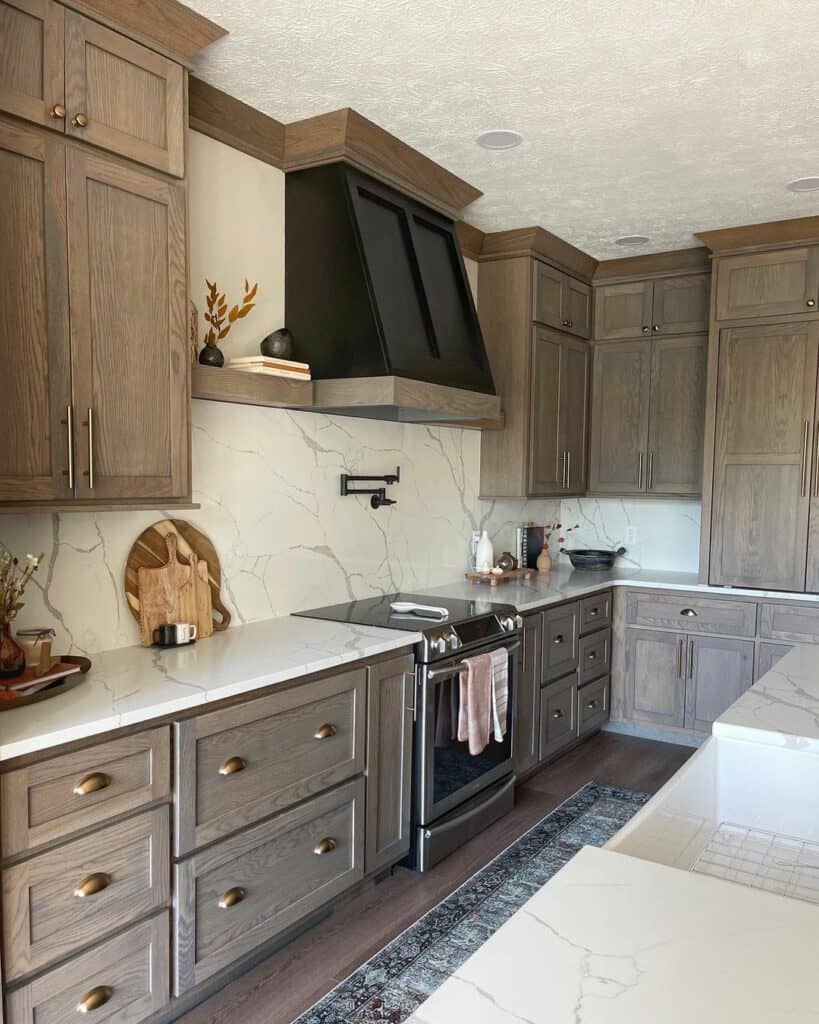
(631, 535)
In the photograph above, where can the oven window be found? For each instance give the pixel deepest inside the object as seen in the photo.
(453, 766)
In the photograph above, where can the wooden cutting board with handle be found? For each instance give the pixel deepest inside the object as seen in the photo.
(150, 551)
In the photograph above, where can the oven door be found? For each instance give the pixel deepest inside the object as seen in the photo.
(446, 773)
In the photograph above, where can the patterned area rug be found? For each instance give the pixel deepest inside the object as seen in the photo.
(394, 983)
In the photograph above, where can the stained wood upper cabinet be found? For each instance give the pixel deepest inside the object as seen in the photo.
(767, 283)
(34, 457)
(557, 431)
(667, 305)
(559, 300)
(31, 69)
(131, 99)
(765, 415)
(128, 285)
(647, 416)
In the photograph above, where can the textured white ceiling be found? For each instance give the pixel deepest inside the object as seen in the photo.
(654, 117)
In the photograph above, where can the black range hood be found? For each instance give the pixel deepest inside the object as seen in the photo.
(378, 302)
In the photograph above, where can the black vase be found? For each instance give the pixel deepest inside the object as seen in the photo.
(278, 345)
(211, 356)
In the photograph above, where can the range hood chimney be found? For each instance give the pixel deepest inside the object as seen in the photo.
(379, 304)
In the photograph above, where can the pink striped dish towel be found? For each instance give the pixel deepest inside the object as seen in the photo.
(484, 693)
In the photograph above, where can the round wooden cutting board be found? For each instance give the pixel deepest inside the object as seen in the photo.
(150, 551)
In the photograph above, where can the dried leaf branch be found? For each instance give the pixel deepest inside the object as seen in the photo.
(220, 319)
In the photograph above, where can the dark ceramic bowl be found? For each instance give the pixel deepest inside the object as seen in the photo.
(589, 558)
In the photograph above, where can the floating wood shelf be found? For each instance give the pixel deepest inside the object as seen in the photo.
(221, 384)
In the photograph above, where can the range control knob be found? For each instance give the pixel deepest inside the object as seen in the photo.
(438, 645)
(508, 624)
(454, 642)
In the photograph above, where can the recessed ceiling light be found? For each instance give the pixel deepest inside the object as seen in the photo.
(804, 184)
(632, 240)
(499, 138)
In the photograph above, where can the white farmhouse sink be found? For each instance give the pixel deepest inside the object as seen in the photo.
(730, 789)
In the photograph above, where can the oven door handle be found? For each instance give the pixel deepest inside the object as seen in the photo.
(459, 666)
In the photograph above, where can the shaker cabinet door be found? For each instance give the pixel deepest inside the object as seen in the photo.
(767, 283)
(655, 677)
(31, 66)
(547, 290)
(619, 417)
(546, 450)
(128, 331)
(677, 415)
(681, 304)
(574, 415)
(34, 343)
(124, 97)
(526, 735)
(623, 310)
(718, 673)
(577, 307)
(762, 453)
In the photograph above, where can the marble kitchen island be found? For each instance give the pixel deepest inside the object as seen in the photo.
(630, 934)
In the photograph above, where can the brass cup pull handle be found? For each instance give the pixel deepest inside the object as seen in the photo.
(324, 732)
(232, 765)
(92, 885)
(559, 713)
(57, 112)
(558, 640)
(232, 897)
(92, 783)
(324, 846)
(80, 121)
(592, 704)
(94, 999)
(689, 613)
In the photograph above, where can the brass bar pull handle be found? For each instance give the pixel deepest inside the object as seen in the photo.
(92, 783)
(558, 640)
(639, 471)
(232, 897)
(409, 677)
(651, 470)
(92, 885)
(94, 999)
(69, 430)
(232, 766)
(689, 613)
(805, 435)
(559, 713)
(816, 463)
(324, 732)
(690, 659)
(680, 643)
(325, 846)
(568, 470)
(90, 471)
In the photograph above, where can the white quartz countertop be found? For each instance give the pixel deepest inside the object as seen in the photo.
(782, 708)
(564, 583)
(137, 684)
(616, 940)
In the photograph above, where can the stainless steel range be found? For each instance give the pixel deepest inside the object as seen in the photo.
(455, 794)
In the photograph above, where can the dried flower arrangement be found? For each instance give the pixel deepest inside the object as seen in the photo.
(559, 529)
(221, 319)
(14, 579)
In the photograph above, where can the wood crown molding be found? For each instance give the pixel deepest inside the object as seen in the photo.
(774, 233)
(677, 261)
(471, 239)
(539, 242)
(346, 135)
(226, 119)
(167, 23)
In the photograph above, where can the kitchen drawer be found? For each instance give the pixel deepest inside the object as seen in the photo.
(691, 613)
(124, 869)
(595, 612)
(53, 798)
(767, 656)
(594, 656)
(592, 706)
(244, 890)
(791, 622)
(560, 633)
(558, 715)
(239, 765)
(126, 978)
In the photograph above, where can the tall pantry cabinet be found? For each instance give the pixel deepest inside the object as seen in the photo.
(93, 265)
(761, 494)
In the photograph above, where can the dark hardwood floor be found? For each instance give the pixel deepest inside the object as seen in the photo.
(281, 987)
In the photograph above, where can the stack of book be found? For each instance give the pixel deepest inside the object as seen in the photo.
(272, 367)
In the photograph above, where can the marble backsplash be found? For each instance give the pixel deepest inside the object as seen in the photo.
(268, 484)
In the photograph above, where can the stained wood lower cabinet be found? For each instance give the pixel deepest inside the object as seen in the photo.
(767, 656)
(243, 891)
(125, 978)
(526, 735)
(718, 672)
(391, 697)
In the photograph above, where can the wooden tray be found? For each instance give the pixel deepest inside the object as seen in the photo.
(9, 699)
(150, 551)
(493, 579)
